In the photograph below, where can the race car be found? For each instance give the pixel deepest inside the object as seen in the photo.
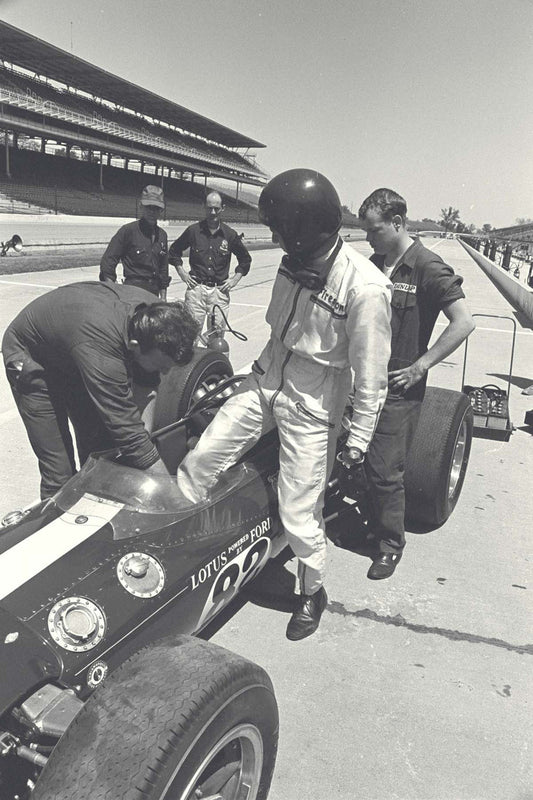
(97, 700)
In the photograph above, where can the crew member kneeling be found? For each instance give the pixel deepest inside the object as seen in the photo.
(329, 312)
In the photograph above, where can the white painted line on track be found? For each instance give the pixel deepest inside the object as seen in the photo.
(248, 305)
(36, 285)
(491, 330)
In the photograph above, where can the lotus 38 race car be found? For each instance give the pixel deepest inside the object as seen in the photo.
(97, 700)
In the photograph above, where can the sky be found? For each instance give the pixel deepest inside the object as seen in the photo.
(432, 99)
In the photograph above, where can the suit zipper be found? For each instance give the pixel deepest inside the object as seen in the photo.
(289, 354)
(314, 417)
(280, 387)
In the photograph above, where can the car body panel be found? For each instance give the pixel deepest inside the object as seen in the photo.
(71, 559)
(26, 659)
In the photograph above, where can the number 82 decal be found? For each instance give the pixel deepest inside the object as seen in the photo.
(235, 574)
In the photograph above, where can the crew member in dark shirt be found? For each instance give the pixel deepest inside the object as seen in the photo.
(73, 353)
(208, 281)
(423, 286)
(141, 246)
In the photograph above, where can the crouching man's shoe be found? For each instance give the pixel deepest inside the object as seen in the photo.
(306, 618)
(383, 566)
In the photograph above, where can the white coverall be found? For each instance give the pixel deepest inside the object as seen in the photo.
(300, 383)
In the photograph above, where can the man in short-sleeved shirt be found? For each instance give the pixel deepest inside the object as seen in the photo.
(423, 286)
(211, 244)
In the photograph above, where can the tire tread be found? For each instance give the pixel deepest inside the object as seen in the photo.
(147, 732)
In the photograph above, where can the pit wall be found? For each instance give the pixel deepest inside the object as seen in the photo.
(515, 292)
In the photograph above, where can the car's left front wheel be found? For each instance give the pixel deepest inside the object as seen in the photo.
(180, 720)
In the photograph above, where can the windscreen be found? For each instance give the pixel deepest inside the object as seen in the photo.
(145, 501)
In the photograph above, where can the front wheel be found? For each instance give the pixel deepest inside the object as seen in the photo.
(438, 457)
(180, 720)
(184, 386)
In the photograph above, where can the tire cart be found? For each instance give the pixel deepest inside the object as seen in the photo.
(490, 403)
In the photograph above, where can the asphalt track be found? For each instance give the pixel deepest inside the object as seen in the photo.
(413, 688)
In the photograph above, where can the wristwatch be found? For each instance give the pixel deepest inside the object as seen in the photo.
(351, 456)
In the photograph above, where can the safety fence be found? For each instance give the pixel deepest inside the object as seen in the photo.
(512, 255)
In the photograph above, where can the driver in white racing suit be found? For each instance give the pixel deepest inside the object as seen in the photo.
(329, 312)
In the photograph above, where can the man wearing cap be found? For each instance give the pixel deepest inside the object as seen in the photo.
(141, 246)
(211, 244)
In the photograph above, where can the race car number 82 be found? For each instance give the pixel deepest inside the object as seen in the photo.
(242, 569)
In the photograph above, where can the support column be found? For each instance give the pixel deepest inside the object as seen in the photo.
(43, 145)
(101, 173)
(237, 193)
(8, 168)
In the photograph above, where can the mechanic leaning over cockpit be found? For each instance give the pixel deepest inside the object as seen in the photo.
(329, 312)
(73, 354)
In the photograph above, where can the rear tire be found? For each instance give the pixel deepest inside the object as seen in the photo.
(180, 719)
(438, 457)
(183, 386)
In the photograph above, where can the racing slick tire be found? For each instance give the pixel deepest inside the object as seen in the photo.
(182, 386)
(438, 457)
(180, 719)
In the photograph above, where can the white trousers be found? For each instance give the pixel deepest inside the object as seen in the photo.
(307, 450)
(200, 301)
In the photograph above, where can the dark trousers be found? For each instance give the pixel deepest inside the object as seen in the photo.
(46, 405)
(385, 467)
(148, 285)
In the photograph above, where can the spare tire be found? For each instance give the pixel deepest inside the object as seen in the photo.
(438, 457)
(183, 386)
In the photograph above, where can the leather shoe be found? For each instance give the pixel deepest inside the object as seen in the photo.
(383, 566)
(306, 618)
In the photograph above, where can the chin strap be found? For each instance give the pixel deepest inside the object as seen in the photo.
(308, 276)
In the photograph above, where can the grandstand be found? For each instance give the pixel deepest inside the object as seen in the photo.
(519, 233)
(79, 140)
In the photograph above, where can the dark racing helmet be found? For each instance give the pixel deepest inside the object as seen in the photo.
(302, 206)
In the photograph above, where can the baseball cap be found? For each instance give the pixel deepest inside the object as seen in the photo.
(153, 196)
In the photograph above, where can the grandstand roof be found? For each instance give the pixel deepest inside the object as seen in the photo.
(25, 50)
(523, 232)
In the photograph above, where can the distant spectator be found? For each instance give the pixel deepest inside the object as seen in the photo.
(211, 244)
(141, 246)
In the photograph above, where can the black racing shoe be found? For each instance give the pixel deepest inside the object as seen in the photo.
(383, 566)
(306, 618)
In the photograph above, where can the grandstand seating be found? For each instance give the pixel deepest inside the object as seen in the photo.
(35, 95)
(60, 185)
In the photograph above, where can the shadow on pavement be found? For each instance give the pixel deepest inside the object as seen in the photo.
(522, 383)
